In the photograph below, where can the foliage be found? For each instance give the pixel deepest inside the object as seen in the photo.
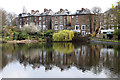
(117, 32)
(63, 35)
(76, 34)
(48, 33)
(63, 47)
(93, 34)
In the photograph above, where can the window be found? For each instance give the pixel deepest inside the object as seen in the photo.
(111, 21)
(77, 16)
(111, 15)
(61, 27)
(104, 20)
(105, 26)
(83, 33)
(83, 27)
(44, 27)
(39, 23)
(87, 19)
(43, 18)
(61, 22)
(77, 22)
(40, 27)
(56, 22)
(72, 16)
(56, 27)
(39, 18)
(43, 22)
(56, 17)
(77, 27)
(64, 22)
(83, 16)
(104, 15)
(61, 17)
(83, 21)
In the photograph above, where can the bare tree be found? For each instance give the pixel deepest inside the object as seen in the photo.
(96, 10)
(24, 9)
(11, 19)
(3, 15)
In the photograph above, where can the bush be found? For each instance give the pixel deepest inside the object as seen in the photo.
(63, 35)
(48, 33)
(117, 33)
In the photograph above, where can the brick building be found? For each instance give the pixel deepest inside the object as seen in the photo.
(82, 21)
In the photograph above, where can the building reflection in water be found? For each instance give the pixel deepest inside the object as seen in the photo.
(64, 55)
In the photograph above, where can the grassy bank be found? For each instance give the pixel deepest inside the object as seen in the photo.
(105, 40)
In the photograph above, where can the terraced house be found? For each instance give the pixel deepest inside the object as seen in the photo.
(82, 21)
(61, 20)
(110, 21)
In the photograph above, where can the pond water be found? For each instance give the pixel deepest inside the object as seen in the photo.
(60, 60)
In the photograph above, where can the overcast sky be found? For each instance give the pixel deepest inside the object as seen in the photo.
(72, 5)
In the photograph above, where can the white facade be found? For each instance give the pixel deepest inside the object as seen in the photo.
(107, 31)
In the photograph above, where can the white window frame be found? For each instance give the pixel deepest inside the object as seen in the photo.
(56, 27)
(76, 27)
(84, 27)
(61, 27)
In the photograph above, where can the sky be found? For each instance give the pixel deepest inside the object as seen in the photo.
(16, 6)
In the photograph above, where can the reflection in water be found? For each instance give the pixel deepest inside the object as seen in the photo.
(90, 57)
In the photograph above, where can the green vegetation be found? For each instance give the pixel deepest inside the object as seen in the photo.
(64, 35)
(117, 33)
(106, 40)
(10, 33)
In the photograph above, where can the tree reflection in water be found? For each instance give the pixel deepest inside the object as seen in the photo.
(64, 55)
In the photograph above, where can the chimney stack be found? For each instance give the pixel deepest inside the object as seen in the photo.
(50, 9)
(82, 9)
(66, 9)
(32, 11)
(37, 10)
(61, 10)
(45, 10)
